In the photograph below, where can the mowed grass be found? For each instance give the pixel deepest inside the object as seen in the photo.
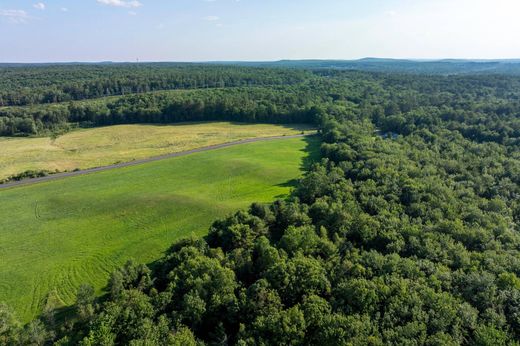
(54, 236)
(107, 145)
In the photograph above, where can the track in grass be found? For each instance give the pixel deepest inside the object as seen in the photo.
(59, 234)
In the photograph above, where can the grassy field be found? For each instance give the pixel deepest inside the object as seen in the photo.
(107, 145)
(57, 235)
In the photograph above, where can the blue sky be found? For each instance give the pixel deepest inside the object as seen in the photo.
(206, 30)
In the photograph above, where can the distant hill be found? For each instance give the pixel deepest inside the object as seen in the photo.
(445, 66)
(437, 67)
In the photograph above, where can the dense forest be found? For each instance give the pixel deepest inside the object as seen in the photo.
(476, 105)
(405, 233)
(41, 99)
(35, 84)
(432, 67)
(258, 104)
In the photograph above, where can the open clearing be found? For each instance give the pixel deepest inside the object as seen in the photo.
(57, 235)
(122, 143)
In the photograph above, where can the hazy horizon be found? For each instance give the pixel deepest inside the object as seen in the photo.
(261, 61)
(252, 30)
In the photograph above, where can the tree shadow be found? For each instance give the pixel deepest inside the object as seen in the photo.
(312, 155)
(63, 314)
(312, 148)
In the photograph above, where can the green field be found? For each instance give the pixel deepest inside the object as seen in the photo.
(102, 146)
(60, 234)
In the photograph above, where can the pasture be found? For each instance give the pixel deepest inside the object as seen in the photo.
(57, 235)
(87, 148)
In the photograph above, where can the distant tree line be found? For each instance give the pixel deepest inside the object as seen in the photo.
(266, 105)
(483, 108)
(37, 84)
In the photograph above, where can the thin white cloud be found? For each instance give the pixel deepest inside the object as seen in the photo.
(121, 3)
(14, 16)
(132, 13)
(211, 18)
(64, 9)
(39, 6)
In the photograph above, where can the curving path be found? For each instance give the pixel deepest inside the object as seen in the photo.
(141, 161)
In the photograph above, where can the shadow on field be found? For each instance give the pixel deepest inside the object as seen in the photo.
(63, 314)
(312, 150)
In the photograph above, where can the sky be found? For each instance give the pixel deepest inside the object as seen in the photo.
(256, 30)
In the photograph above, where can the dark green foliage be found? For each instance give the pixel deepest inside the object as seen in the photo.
(27, 85)
(85, 302)
(9, 326)
(258, 105)
(12, 332)
(482, 108)
(25, 175)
